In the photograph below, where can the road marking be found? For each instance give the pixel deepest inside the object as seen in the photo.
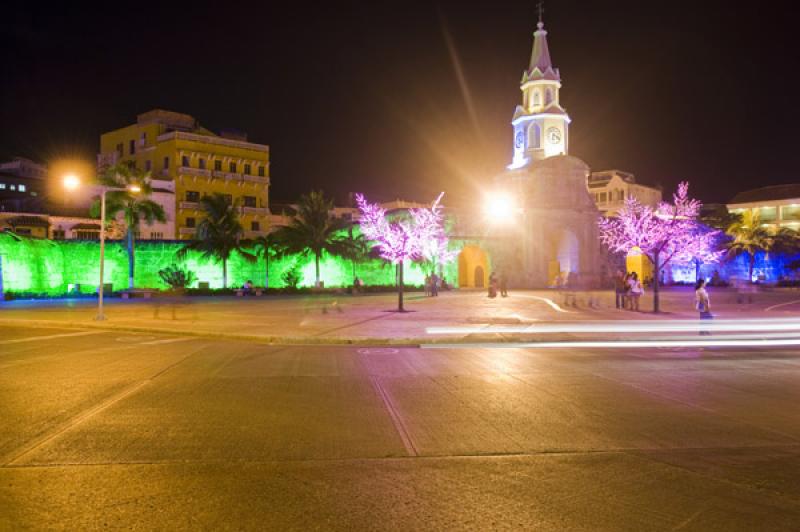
(399, 426)
(555, 306)
(39, 442)
(773, 307)
(49, 337)
(167, 341)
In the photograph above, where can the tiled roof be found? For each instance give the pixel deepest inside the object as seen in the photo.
(771, 193)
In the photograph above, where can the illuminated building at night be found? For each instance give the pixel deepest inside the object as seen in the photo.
(776, 206)
(555, 236)
(188, 161)
(610, 188)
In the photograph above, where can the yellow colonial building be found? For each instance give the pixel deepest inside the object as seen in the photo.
(187, 162)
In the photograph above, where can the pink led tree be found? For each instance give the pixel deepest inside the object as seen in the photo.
(669, 232)
(420, 236)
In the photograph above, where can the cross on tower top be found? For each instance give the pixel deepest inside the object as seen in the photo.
(540, 7)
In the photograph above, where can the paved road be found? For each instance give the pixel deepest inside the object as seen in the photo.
(116, 430)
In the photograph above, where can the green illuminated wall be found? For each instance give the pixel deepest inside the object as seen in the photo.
(49, 267)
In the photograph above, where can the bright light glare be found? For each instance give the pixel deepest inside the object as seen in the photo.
(71, 182)
(500, 208)
(135, 188)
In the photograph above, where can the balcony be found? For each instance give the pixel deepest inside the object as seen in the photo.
(261, 211)
(255, 178)
(232, 176)
(189, 205)
(187, 170)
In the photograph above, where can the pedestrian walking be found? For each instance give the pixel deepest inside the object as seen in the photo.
(503, 285)
(702, 303)
(493, 285)
(427, 285)
(434, 285)
(635, 291)
(620, 288)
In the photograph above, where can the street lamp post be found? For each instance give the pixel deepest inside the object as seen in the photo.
(71, 182)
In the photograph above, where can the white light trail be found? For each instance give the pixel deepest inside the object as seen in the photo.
(747, 325)
(625, 344)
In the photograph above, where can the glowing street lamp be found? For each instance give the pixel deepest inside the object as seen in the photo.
(500, 208)
(71, 182)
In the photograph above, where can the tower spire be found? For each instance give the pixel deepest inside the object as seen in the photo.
(540, 58)
(540, 6)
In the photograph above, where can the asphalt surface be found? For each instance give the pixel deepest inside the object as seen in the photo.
(105, 429)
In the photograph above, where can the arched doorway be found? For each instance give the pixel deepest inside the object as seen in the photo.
(479, 276)
(473, 265)
(565, 257)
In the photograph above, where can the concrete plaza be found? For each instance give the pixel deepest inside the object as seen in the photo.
(154, 430)
(369, 319)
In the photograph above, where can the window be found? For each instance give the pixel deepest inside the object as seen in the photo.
(192, 195)
(132, 147)
(2, 186)
(21, 188)
(87, 235)
(156, 236)
(34, 193)
(248, 169)
(59, 234)
(201, 164)
(537, 100)
(185, 161)
(143, 140)
(190, 222)
(166, 163)
(232, 167)
(13, 187)
(249, 201)
(260, 171)
(255, 226)
(148, 165)
(228, 199)
(119, 150)
(548, 97)
(535, 136)
(218, 166)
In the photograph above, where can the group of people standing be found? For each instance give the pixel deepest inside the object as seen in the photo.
(498, 284)
(628, 290)
(433, 283)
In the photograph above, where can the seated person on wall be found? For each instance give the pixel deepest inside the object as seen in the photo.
(247, 287)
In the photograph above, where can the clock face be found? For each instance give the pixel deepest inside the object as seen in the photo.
(518, 140)
(554, 135)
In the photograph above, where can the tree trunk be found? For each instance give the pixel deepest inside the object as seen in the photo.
(224, 273)
(400, 287)
(131, 258)
(316, 264)
(656, 285)
(266, 270)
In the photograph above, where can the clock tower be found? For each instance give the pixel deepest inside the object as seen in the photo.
(540, 124)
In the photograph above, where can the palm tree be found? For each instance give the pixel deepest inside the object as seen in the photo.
(314, 230)
(269, 248)
(749, 237)
(135, 207)
(358, 248)
(218, 235)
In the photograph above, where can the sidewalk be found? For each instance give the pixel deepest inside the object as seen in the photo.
(369, 319)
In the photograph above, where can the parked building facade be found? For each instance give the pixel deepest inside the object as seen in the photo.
(610, 188)
(187, 162)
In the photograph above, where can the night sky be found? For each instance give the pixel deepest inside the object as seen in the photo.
(366, 96)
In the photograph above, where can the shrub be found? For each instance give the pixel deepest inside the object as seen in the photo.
(291, 277)
(176, 277)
